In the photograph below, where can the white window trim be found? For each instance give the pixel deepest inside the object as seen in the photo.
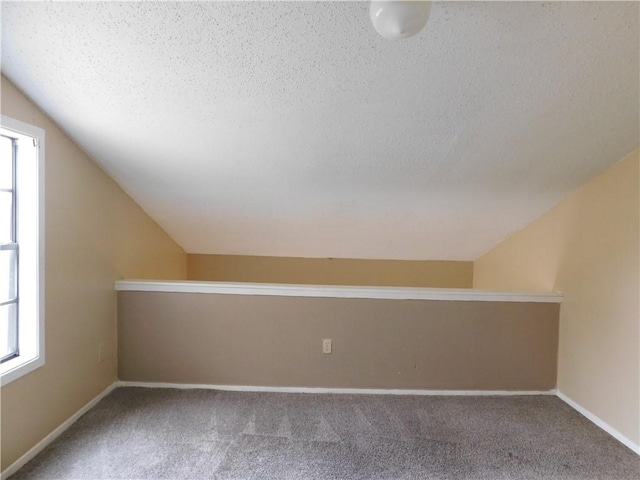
(30, 318)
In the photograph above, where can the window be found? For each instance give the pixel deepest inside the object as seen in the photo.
(8, 250)
(21, 249)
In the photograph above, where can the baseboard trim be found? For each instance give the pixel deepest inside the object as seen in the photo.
(600, 423)
(353, 391)
(42, 444)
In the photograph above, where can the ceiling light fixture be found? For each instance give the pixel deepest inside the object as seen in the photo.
(398, 19)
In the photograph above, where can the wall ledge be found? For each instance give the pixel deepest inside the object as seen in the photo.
(334, 291)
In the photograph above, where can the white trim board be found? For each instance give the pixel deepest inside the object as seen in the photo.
(42, 444)
(352, 391)
(331, 291)
(600, 423)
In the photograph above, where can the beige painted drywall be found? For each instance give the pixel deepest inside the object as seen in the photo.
(276, 341)
(330, 271)
(95, 233)
(587, 247)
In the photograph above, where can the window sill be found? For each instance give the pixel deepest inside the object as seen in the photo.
(17, 367)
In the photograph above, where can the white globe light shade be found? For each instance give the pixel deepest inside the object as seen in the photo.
(396, 19)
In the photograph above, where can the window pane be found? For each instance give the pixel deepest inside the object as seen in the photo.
(6, 164)
(8, 330)
(8, 274)
(5, 217)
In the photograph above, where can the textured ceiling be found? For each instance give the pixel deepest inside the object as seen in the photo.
(294, 129)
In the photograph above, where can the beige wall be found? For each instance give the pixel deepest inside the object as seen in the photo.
(330, 271)
(587, 247)
(276, 341)
(95, 234)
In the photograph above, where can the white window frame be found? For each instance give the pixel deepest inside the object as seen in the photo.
(30, 237)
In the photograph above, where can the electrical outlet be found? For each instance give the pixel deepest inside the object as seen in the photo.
(101, 353)
(326, 345)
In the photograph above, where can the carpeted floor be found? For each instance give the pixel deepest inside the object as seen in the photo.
(137, 433)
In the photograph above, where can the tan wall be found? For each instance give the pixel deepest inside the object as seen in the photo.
(95, 234)
(330, 271)
(587, 247)
(276, 341)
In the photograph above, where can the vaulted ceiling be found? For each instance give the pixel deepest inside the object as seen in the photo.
(292, 128)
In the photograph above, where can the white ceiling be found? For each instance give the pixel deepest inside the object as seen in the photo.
(294, 129)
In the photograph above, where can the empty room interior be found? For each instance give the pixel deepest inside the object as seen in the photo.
(320, 240)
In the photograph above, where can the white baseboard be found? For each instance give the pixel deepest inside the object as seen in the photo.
(600, 423)
(354, 391)
(42, 444)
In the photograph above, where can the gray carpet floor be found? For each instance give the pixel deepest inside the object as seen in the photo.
(137, 433)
